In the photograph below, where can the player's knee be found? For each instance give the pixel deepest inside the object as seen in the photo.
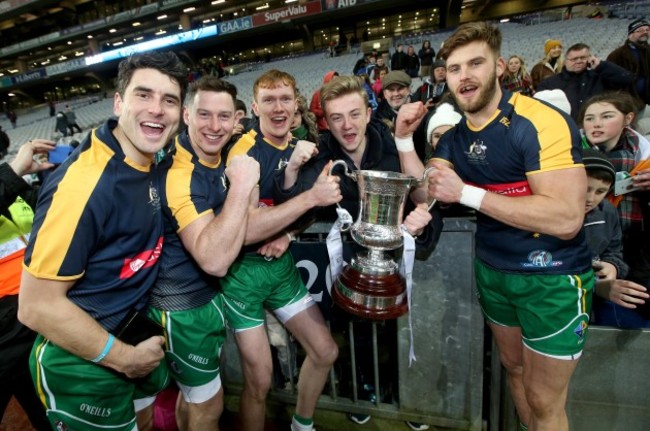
(513, 365)
(259, 385)
(326, 354)
(542, 403)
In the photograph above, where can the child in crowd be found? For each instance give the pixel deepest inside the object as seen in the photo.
(444, 118)
(603, 231)
(607, 122)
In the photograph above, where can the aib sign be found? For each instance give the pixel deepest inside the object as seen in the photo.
(339, 4)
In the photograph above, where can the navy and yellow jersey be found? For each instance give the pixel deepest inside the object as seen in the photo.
(524, 137)
(272, 158)
(191, 189)
(98, 223)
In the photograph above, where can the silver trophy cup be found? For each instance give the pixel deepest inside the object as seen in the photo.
(371, 285)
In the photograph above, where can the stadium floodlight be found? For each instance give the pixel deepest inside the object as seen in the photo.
(150, 45)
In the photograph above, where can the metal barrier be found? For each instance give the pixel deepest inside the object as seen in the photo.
(444, 386)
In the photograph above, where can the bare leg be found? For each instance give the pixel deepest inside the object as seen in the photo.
(257, 367)
(144, 419)
(547, 382)
(310, 330)
(511, 348)
(201, 416)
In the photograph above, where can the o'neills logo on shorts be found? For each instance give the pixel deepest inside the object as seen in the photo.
(102, 412)
(60, 426)
(142, 260)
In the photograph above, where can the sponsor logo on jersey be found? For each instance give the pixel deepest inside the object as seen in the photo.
(224, 181)
(541, 259)
(476, 153)
(142, 260)
(282, 163)
(154, 198)
(517, 188)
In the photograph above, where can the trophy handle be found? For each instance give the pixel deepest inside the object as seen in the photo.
(346, 222)
(425, 175)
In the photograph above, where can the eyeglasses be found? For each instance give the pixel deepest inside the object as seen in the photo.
(577, 59)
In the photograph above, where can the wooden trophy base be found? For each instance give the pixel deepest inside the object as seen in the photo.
(376, 297)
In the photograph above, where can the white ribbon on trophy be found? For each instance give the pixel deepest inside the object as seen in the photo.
(406, 269)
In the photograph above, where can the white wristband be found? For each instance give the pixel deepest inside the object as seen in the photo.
(404, 145)
(472, 197)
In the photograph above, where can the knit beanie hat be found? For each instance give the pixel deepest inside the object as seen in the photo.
(556, 98)
(595, 160)
(636, 24)
(550, 44)
(445, 115)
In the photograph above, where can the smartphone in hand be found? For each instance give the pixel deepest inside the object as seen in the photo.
(59, 154)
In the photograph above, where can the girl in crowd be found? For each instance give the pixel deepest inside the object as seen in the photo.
(515, 78)
(551, 64)
(304, 122)
(412, 62)
(607, 121)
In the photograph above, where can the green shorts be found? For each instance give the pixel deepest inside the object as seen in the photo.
(81, 395)
(253, 284)
(194, 339)
(552, 310)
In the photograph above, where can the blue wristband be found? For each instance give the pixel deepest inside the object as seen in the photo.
(107, 348)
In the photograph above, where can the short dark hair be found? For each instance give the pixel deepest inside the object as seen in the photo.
(578, 47)
(601, 175)
(210, 83)
(240, 106)
(165, 62)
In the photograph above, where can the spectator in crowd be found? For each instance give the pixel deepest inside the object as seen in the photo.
(433, 87)
(606, 120)
(5, 142)
(52, 105)
(426, 54)
(205, 227)
(244, 123)
(17, 203)
(363, 143)
(265, 275)
(13, 118)
(515, 78)
(555, 98)
(361, 63)
(398, 59)
(377, 86)
(604, 238)
(61, 124)
(372, 99)
(412, 62)
(71, 117)
(539, 342)
(315, 107)
(397, 91)
(66, 294)
(550, 65)
(585, 75)
(634, 55)
(444, 118)
(304, 126)
(380, 67)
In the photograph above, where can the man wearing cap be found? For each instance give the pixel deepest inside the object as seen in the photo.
(434, 87)
(634, 55)
(397, 91)
(585, 75)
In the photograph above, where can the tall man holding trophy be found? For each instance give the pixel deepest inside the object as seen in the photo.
(517, 162)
